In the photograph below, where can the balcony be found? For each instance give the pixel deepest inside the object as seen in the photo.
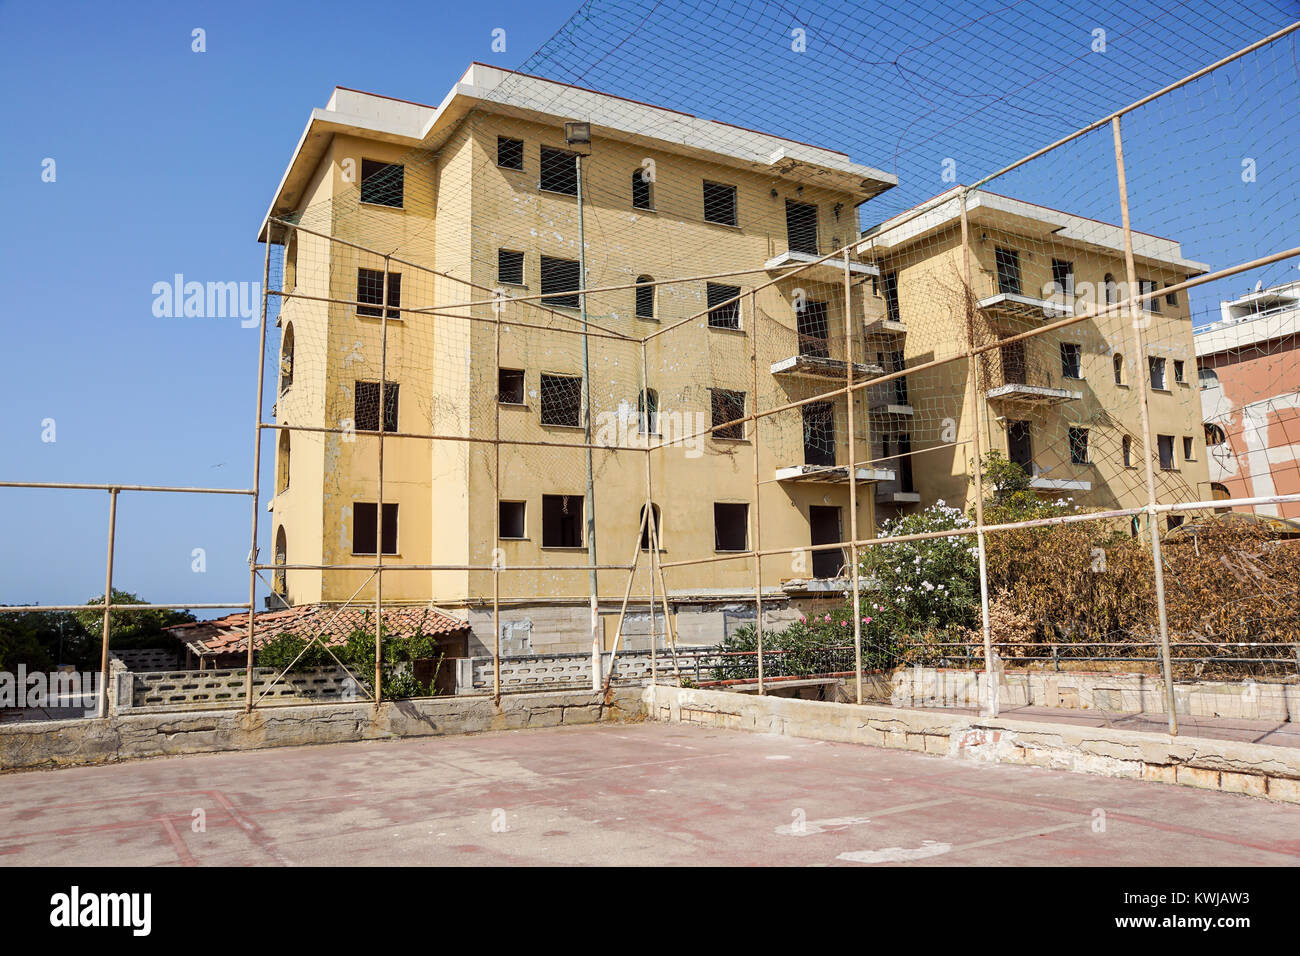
(883, 326)
(831, 474)
(892, 496)
(809, 364)
(1039, 483)
(829, 271)
(1021, 393)
(1013, 306)
(891, 411)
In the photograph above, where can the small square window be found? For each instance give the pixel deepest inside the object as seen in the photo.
(642, 197)
(510, 153)
(727, 406)
(1171, 298)
(562, 400)
(510, 516)
(722, 313)
(1063, 276)
(719, 203)
(364, 528)
(510, 386)
(365, 406)
(730, 526)
(382, 184)
(562, 518)
(1151, 304)
(510, 267)
(559, 278)
(370, 290)
(559, 171)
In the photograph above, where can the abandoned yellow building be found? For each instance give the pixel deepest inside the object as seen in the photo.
(1064, 404)
(404, 227)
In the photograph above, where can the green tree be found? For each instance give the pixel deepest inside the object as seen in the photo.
(42, 640)
(130, 629)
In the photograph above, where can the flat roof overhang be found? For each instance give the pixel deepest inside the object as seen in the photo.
(831, 474)
(1032, 394)
(1013, 305)
(813, 366)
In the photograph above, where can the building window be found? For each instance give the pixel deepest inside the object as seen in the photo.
(1171, 298)
(1071, 360)
(562, 400)
(719, 203)
(510, 153)
(562, 521)
(1078, 446)
(641, 193)
(645, 297)
(1117, 363)
(559, 171)
(1008, 269)
(286, 358)
(801, 226)
(1156, 365)
(1219, 492)
(1063, 276)
(1189, 448)
(1178, 371)
(730, 526)
(510, 267)
(510, 386)
(658, 528)
(364, 514)
(1214, 435)
(889, 289)
(365, 406)
(1112, 290)
(1126, 447)
(282, 462)
(723, 316)
(370, 292)
(1173, 521)
(278, 583)
(1208, 378)
(1151, 304)
(728, 406)
(382, 184)
(1165, 443)
(560, 277)
(510, 517)
(647, 412)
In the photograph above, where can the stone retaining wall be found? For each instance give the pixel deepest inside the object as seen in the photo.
(1228, 765)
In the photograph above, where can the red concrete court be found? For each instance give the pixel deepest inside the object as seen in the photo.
(645, 793)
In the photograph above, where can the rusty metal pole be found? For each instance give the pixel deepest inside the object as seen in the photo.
(757, 529)
(976, 399)
(108, 603)
(379, 507)
(1135, 313)
(849, 399)
(257, 477)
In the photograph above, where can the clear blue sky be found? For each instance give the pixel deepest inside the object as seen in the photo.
(166, 160)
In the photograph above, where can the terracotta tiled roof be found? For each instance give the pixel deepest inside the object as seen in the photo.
(229, 635)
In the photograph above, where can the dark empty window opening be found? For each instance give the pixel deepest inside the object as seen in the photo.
(1008, 268)
(658, 528)
(1166, 445)
(647, 412)
(818, 433)
(559, 171)
(1019, 445)
(730, 526)
(889, 289)
(559, 278)
(510, 386)
(641, 193)
(562, 517)
(364, 529)
(1126, 447)
(825, 528)
(1063, 276)
(382, 184)
(1214, 435)
(1178, 371)
(801, 226)
(510, 267)
(719, 203)
(1189, 448)
(510, 516)
(370, 292)
(1173, 521)
(1156, 367)
(562, 400)
(814, 330)
(510, 153)
(1117, 363)
(645, 297)
(1171, 298)
(1079, 446)
(365, 406)
(1151, 304)
(727, 406)
(723, 316)
(1071, 360)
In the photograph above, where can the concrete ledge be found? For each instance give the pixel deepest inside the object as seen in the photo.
(1228, 765)
(69, 743)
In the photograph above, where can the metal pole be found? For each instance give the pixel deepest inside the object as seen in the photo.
(627, 596)
(757, 521)
(379, 507)
(257, 478)
(108, 602)
(496, 523)
(649, 505)
(991, 701)
(1135, 312)
(849, 399)
(593, 581)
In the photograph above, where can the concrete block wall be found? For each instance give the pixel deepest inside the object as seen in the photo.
(191, 689)
(1226, 765)
(474, 675)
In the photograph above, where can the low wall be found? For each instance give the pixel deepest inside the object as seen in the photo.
(191, 689)
(1112, 693)
(1228, 765)
(67, 743)
(524, 672)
